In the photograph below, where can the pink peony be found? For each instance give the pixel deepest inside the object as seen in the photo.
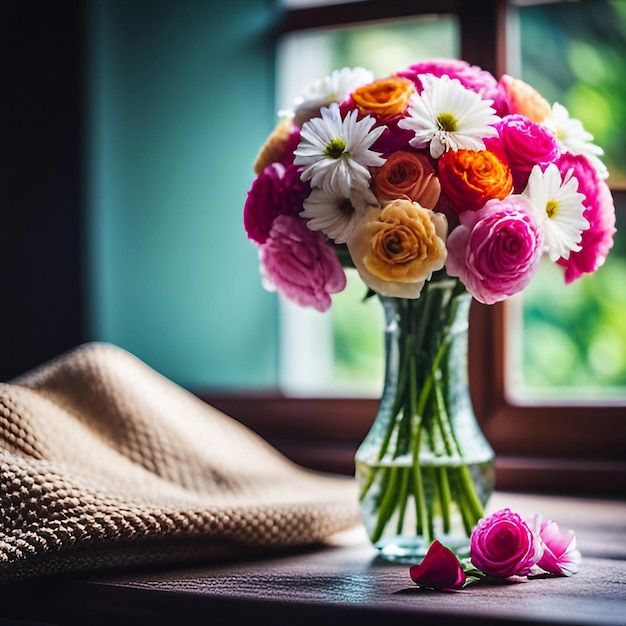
(503, 545)
(525, 144)
(495, 250)
(597, 240)
(300, 264)
(440, 569)
(277, 190)
(471, 77)
(560, 555)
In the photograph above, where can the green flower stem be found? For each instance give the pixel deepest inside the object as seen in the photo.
(403, 497)
(420, 377)
(444, 496)
(387, 504)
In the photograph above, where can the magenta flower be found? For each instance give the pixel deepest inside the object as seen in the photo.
(440, 569)
(470, 76)
(560, 555)
(393, 138)
(525, 144)
(495, 250)
(596, 240)
(300, 264)
(503, 545)
(277, 190)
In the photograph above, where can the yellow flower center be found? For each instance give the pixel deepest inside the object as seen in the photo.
(335, 149)
(551, 208)
(447, 122)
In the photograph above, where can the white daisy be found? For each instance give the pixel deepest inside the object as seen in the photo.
(333, 88)
(557, 208)
(571, 136)
(335, 215)
(335, 152)
(448, 116)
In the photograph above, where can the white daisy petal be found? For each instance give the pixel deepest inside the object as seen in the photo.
(336, 87)
(336, 153)
(571, 136)
(332, 214)
(448, 116)
(557, 207)
(333, 88)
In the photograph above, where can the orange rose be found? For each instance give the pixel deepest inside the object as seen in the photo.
(396, 249)
(524, 99)
(407, 175)
(274, 147)
(384, 98)
(471, 177)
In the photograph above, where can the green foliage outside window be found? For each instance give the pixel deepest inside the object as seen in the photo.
(574, 337)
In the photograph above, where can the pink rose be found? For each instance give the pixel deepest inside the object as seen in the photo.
(503, 545)
(440, 569)
(471, 77)
(495, 250)
(560, 555)
(277, 190)
(300, 264)
(525, 144)
(596, 240)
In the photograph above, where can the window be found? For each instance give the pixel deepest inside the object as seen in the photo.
(539, 445)
(566, 342)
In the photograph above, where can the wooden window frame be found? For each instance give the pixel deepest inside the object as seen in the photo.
(551, 448)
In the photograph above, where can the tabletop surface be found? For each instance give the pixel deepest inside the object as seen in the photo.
(343, 582)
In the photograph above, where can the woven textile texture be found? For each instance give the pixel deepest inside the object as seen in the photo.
(104, 462)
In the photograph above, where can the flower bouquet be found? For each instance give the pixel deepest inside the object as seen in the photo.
(438, 184)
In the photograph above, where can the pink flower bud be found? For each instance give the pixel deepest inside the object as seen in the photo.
(440, 569)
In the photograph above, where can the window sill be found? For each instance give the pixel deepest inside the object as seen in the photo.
(324, 433)
(342, 582)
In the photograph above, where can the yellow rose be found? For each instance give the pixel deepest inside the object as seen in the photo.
(274, 148)
(384, 98)
(395, 249)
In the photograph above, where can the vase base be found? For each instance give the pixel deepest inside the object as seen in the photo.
(413, 549)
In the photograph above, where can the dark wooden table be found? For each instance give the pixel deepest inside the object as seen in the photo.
(343, 583)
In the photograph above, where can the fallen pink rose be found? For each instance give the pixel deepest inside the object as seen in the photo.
(503, 545)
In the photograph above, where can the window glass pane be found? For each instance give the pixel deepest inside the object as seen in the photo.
(574, 53)
(306, 56)
(340, 352)
(568, 342)
(573, 341)
(305, 4)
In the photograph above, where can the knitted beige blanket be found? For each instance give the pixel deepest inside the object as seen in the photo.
(104, 462)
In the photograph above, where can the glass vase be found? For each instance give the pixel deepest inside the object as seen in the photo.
(425, 470)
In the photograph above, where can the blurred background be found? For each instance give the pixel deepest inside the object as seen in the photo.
(129, 130)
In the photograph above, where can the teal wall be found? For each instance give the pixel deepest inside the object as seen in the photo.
(181, 99)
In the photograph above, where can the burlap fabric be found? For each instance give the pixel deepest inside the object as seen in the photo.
(104, 462)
